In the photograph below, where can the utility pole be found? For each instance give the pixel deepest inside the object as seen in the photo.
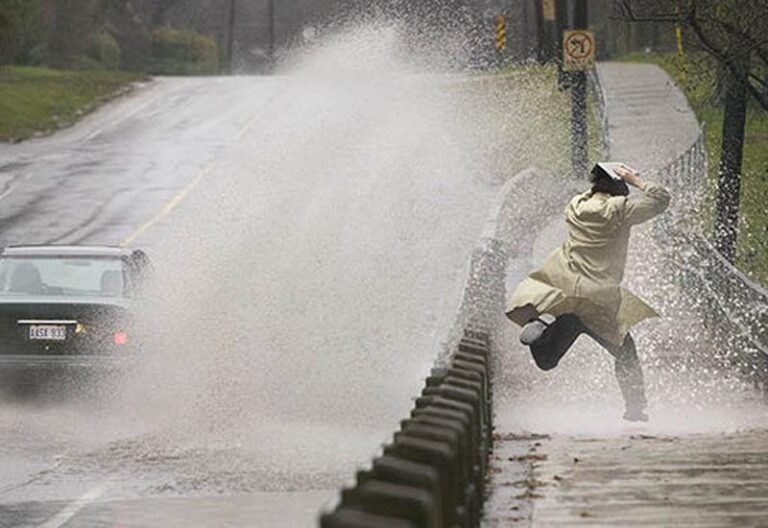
(541, 37)
(579, 132)
(561, 22)
(551, 36)
(231, 36)
(271, 31)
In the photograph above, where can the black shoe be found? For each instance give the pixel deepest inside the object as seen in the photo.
(533, 331)
(635, 415)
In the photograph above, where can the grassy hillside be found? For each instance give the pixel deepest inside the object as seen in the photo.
(40, 100)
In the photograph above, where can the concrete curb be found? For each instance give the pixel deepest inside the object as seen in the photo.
(432, 474)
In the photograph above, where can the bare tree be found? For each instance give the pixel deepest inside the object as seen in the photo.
(735, 34)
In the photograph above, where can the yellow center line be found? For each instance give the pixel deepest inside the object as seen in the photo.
(170, 206)
(176, 200)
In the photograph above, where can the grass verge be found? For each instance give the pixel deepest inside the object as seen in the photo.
(35, 101)
(698, 81)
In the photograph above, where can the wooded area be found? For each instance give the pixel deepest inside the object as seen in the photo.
(123, 33)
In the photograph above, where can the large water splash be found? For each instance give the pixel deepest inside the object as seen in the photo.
(305, 286)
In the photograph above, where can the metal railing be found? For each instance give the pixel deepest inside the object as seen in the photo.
(733, 307)
(600, 108)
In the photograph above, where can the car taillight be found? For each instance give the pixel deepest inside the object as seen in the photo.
(121, 338)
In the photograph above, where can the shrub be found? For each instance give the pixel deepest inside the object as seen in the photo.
(104, 51)
(181, 52)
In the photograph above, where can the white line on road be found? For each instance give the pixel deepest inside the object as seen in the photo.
(13, 187)
(64, 516)
(122, 119)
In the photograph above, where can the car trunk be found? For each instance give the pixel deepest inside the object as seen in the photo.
(62, 327)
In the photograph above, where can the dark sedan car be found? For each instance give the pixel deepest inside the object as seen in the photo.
(67, 305)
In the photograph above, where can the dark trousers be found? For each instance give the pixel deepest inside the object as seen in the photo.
(558, 338)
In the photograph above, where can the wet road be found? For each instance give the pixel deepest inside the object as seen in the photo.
(304, 293)
(96, 183)
(114, 179)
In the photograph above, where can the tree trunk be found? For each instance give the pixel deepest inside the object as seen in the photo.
(765, 88)
(729, 173)
(541, 55)
(73, 23)
(561, 22)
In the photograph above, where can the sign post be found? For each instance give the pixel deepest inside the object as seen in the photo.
(578, 58)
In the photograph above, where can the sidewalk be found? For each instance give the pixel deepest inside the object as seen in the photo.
(563, 456)
(649, 120)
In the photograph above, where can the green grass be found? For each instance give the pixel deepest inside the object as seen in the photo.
(698, 83)
(41, 100)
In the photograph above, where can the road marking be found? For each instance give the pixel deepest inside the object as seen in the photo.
(132, 113)
(8, 191)
(170, 206)
(15, 185)
(176, 200)
(64, 516)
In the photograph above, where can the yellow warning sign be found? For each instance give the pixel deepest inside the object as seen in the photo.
(548, 10)
(578, 50)
(501, 33)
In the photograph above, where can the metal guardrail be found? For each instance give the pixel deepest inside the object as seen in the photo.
(734, 308)
(601, 111)
(432, 474)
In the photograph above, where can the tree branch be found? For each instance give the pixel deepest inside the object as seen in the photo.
(719, 54)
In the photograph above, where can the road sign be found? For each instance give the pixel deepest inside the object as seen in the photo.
(548, 10)
(578, 50)
(501, 33)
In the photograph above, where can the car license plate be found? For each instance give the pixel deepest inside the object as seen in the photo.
(48, 332)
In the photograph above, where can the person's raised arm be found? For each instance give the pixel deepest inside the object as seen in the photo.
(654, 200)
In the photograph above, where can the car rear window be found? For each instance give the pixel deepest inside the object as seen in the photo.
(65, 276)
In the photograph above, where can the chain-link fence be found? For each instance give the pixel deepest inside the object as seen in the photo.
(733, 307)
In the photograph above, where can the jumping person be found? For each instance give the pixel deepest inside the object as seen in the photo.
(578, 289)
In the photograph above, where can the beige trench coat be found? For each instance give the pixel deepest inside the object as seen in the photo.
(583, 276)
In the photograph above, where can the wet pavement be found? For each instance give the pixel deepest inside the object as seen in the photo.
(633, 479)
(563, 456)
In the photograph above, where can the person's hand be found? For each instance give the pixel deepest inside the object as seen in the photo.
(630, 176)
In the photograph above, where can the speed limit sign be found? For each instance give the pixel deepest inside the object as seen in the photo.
(578, 50)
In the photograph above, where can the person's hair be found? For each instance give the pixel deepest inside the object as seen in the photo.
(602, 183)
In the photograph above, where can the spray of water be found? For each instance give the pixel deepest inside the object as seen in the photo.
(305, 288)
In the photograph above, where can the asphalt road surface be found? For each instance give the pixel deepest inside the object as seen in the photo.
(310, 233)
